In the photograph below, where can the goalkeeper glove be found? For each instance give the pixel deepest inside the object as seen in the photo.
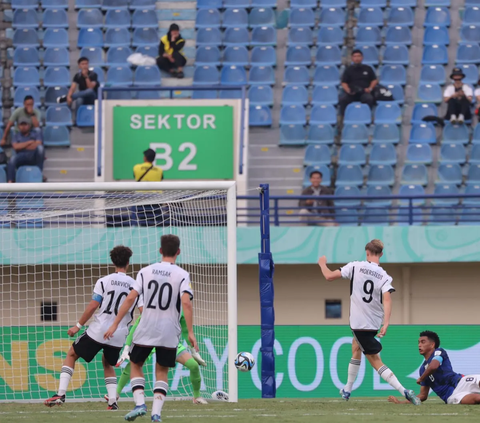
(125, 355)
(197, 357)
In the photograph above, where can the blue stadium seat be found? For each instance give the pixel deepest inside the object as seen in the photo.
(378, 191)
(430, 93)
(233, 75)
(414, 174)
(472, 189)
(237, 94)
(209, 4)
(455, 134)
(25, 18)
(386, 133)
(349, 175)
(352, 154)
(420, 110)
(412, 190)
(347, 216)
(114, 4)
(99, 71)
(119, 18)
(474, 155)
(294, 95)
(231, 56)
(24, 4)
(145, 37)
(454, 154)
(144, 18)
(476, 135)
(26, 37)
(94, 55)
(393, 75)
(398, 35)
(117, 56)
(400, 16)
(90, 37)
(469, 3)
(332, 17)
(28, 174)
(292, 135)
(435, 55)
(204, 94)
(325, 170)
(328, 55)
(468, 53)
(209, 37)
(436, 35)
(326, 75)
(324, 94)
(437, 16)
(396, 55)
(260, 95)
(317, 155)
(236, 37)
(423, 133)
(55, 4)
(368, 36)
(373, 3)
(263, 56)
(470, 33)
(264, 3)
(430, 3)
(120, 76)
(357, 113)
(370, 54)
(419, 154)
(52, 93)
(206, 75)
(147, 76)
(383, 154)
(443, 216)
(26, 56)
(330, 35)
(264, 36)
(298, 56)
(296, 4)
(55, 18)
(56, 57)
(446, 189)
(58, 116)
(370, 16)
(398, 94)
(261, 16)
(293, 115)
(261, 75)
(235, 18)
(56, 136)
(297, 75)
(209, 56)
(26, 77)
(300, 37)
(118, 37)
(449, 173)
(56, 37)
(22, 92)
(432, 74)
(86, 116)
(88, 4)
(323, 115)
(355, 134)
(471, 15)
(473, 174)
(320, 134)
(388, 112)
(381, 175)
(347, 191)
(260, 116)
(207, 18)
(236, 3)
(302, 17)
(90, 18)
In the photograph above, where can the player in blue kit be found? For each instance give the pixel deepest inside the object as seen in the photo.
(436, 373)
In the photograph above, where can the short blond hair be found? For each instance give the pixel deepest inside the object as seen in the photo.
(375, 247)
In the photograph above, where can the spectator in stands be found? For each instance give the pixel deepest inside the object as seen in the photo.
(170, 55)
(147, 171)
(458, 96)
(29, 148)
(87, 83)
(358, 82)
(312, 212)
(477, 98)
(27, 112)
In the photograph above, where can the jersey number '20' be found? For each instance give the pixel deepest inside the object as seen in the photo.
(165, 286)
(368, 289)
(108, 310)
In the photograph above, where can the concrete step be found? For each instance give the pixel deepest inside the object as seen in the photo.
(267, 151)
(75, 152)
(67, 163)
(68, 174)
(274, 171)
(176, 5)
(183, 25)
(175, 82)
(82, 137)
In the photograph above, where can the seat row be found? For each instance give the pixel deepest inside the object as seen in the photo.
(226, 4)
(235, 56)
(260, 36)
(239, 18)
(30, 56)
(63, 4)
(438, 54)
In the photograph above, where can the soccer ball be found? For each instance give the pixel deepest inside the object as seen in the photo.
(220, 396)
(244, 362)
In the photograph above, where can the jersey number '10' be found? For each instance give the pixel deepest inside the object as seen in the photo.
(165, 287)
(108, 310)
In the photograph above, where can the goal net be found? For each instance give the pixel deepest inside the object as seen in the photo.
(55, 241)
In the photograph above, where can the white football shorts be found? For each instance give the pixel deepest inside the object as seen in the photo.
(469, 384)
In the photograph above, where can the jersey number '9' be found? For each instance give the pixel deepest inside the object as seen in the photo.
(165, 286)
(117, 304)
(368, 289)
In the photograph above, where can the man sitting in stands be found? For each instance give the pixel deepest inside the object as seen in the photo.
(27, 112)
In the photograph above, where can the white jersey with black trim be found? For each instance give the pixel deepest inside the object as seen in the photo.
(111, 292)
(162, 286)
(368, 283)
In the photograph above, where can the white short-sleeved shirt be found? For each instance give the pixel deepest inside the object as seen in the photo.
(368, 283)
(111, 292)
(477, 92)
(450, 90)
(162, 286)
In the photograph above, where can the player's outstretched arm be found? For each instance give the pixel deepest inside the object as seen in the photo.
(328, 274)
(387, 308)
(432, 368)
(127, 304)
(188, 313)
(87, 314)
(422, 396)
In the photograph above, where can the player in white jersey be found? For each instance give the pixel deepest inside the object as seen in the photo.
(109, 294)
(370, 305)
(166, 290)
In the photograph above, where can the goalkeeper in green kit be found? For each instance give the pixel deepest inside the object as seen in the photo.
(190, 359)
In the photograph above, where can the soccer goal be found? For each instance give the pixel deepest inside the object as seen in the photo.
(54, 244)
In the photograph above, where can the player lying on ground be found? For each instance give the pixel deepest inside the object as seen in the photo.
(437, 373)
(109, 295)
(184, 357)
(166, 290)
(370, 304)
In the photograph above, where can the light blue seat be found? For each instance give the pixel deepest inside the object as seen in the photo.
(264, 3)
(261, 75)
(472, 190)
(414, 174)
(147, 76)
(330, 35)
(90, 37)
(370, 55)
(420, 110)
(470, 33)
(293, 115)
(324, 170)
(260, 95)
(58, 116)
(474, 154)
(236, 55)
(22, 92)
(144, 18)
(119, 18)
(430, 3)
(114, 4)
(206, 75)
(328, 55)
(355, 134)
(28, 174)
(24, 4)
(437, 16)
(55, 18)
(396, 55)
(88, 4)
(323, 115)
(349, 175)
(117, 56)
(412, 190)
(347, 216)
(455, 134)
(368, 36)
(375, 217)
(423, 133)
(120, 76)
(398, 94)
(436, 35)
(58, 56)
(430, 93)
(398, 35)
(207, 18)
(432, 74)
(264, 36)
(118, 37)
(302, 17)
(471, 15)
(298, 56)
(476, 135)
(237, 94)
(25, 18)
(263, 56)
(303, 3)
(56, 136)
(85, 116)
(292, 135)
(236, 37)
(26, 56)
(400, 16)
(209, 56)
(332, 16)
(300, 36)
(145, 37)
(393, 75)
(235, 18)
(453, 154)
(26, 77)
(324, 94)
(357, 113)
(370, 16)
(204, 94)
(373, 3)
(352, 154)
(472, 3)
(297, 75)
(386, 133)
(52, 93)
(473, 174)
(320, 134)
(469, 216)
(449, 173)
(233, 75)
(316, 155)
(383, 154)
(99, 71)
(236, 3)
(94, 55)
(26, 37)
(326, 75)
(419, 154)
(55, 4)
(261, 16)
(294, 95)
(378, 191)
(209, 37)
(90, 18)
(347, 191)
(468, 53)
(388, 112)
(435, 55)
(209, 4)
(381, 175)
(260, 116)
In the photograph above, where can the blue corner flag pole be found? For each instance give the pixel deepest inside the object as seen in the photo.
(266, 269)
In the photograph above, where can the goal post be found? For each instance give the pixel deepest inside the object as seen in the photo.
(54, 244)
